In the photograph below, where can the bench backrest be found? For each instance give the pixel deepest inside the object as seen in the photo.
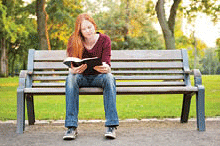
(156, 67)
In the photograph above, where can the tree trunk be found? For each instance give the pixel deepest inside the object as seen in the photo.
(42, 25)
(167, 26)
(126, 46)
(4, 60)
(169, 40)
(13, 65)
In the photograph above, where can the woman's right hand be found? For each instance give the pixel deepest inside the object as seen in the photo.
(78, 70)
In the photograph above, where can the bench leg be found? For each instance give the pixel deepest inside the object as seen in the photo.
(30, 109)
(20, 111)
(185, 108)
(200, 108)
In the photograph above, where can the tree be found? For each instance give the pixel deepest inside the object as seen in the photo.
(42, 25)
(128, 29)
(195, 46)
(11, 29)
(194, 6)
(4, 60)
(167, 26)
(18, 30)
(58, 21)
(62, 15)
(210, 62)
(19, 33)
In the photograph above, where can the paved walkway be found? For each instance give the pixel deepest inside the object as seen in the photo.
(129, 133)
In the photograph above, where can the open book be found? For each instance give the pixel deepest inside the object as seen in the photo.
(91, 63)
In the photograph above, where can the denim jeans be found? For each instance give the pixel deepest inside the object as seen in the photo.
(105, 81)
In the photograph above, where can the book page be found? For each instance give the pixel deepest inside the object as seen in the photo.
(74, 59)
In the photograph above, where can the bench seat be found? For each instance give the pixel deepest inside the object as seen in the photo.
(120, 90)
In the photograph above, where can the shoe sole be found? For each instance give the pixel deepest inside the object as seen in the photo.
(110, 136)
(69, 137)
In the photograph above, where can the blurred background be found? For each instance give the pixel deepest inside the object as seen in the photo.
(131, 24)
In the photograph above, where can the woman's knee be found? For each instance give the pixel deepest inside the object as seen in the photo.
(109, 78)
(72, 79)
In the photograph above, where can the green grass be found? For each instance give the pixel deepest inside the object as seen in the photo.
(129, 106)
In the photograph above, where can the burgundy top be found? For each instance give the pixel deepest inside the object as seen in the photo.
(101, 49)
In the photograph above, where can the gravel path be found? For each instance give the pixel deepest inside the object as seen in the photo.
(135, 133)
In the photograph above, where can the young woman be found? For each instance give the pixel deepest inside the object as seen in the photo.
(85, 42)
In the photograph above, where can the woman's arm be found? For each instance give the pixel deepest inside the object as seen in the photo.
(106, 57)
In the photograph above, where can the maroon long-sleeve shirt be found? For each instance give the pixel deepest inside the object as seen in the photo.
(101, 49)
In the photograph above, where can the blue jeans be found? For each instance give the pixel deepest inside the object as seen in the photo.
(105, 81)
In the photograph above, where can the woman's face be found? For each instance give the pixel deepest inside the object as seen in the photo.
(87, 29)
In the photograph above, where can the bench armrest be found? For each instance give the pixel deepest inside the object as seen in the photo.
(197, 77)
(23, 74)
(187, 71)
(29, 72)
(22, 78)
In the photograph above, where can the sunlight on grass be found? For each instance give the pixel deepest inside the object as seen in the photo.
(129, 106)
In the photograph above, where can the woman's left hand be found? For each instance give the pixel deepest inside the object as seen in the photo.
(105, 68)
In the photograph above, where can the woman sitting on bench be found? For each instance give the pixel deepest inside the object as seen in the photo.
(85, 42)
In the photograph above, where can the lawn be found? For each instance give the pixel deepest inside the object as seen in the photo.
(129, 106)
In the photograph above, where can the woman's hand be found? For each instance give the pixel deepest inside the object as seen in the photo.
(105, 68)
(78, 70)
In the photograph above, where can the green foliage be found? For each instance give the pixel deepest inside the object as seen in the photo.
(210, 62)
(3, 13)
(8, 26)
(62, 14)
(190, 43)
(19, 27)
(218, 47)
(150, 8)
(128, 28)
(209, 7)
(14, 29)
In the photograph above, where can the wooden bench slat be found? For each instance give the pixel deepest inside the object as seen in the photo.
(51, 72)
(163, 55)
(49, 55)
(115, 72)
(49, 78)
(158, 77)
(41, 91)
(54, 84)
(127, 55)
(147, 65)
(137, 65)
(156, 90)
(147, 72)
(49, 65)
(141, 84)
(120, 90)
(118, 84)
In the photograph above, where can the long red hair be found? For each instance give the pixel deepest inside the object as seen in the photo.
(75, 43)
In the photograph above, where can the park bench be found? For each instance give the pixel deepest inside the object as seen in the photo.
(151, 72)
